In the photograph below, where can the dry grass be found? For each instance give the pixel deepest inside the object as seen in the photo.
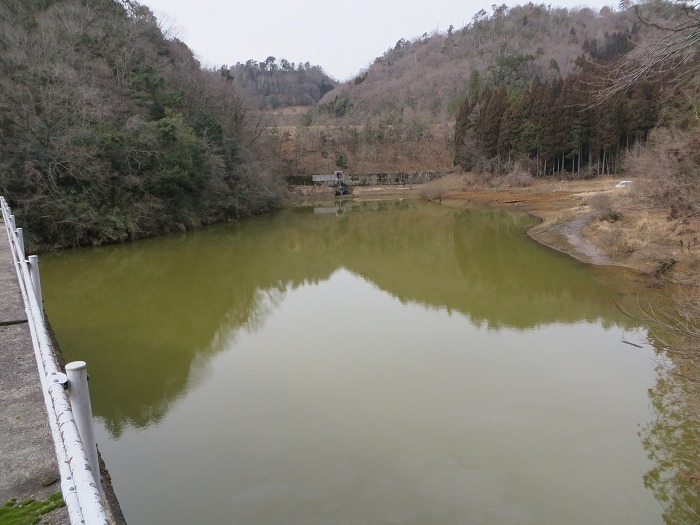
(645, 238)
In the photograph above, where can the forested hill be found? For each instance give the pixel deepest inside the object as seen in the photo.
(586, 120)
(397, 115)
(111, 131)
(272, 85)
(520, 87)
(428, 76)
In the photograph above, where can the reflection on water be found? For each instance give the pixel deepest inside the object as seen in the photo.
(389, 362)
(672, 438)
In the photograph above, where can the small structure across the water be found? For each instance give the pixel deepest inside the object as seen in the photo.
(404, 178)
(337, 179)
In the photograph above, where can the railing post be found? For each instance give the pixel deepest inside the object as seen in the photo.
(79, 395)
(20, 239)
(77, 460)
(36, 282)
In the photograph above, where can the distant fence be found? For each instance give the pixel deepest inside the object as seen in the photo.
(66, 399)
(369, 179)
(335, 177)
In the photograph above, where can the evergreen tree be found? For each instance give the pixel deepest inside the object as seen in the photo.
(490, 122)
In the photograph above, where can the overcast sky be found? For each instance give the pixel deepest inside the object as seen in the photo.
(340, 36)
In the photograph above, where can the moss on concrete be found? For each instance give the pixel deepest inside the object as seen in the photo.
(29, 511)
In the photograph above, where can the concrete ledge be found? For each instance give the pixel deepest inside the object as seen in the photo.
(28, 465)
(27, 459)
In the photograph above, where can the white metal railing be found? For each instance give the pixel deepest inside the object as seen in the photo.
(76, 455)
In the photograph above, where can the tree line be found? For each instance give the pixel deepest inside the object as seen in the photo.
(556, 126)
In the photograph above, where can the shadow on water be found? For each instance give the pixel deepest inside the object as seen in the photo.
(145, 314)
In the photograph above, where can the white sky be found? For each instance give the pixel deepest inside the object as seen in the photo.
(341, 37)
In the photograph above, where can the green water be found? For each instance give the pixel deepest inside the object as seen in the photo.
(386, 362)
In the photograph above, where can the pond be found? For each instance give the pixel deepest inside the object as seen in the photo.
(379, 362)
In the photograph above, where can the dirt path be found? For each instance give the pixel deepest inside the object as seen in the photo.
(598, 223)
(573, 241)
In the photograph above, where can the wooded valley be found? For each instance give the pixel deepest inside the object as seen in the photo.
(110, 128)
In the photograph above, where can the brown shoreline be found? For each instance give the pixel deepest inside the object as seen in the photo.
(643, 238)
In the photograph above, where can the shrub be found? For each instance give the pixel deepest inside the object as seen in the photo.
(518, 178)
(603, 206)
(671, 162)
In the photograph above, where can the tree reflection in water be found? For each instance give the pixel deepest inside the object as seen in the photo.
(672, 439)
(151, 317)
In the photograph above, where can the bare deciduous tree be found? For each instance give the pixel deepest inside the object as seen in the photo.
(667, 51)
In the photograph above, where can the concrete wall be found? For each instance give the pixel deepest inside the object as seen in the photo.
(376, 179)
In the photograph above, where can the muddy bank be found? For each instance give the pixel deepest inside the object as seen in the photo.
(591, 220)
(598, 223)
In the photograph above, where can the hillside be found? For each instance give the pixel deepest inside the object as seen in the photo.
(272, 85)
(518, 88)
(399, 113)
(429, 76)
(111, 131)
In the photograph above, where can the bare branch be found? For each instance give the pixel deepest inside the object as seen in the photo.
(666, 52)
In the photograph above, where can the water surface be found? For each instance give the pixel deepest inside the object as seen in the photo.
(386, 362)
